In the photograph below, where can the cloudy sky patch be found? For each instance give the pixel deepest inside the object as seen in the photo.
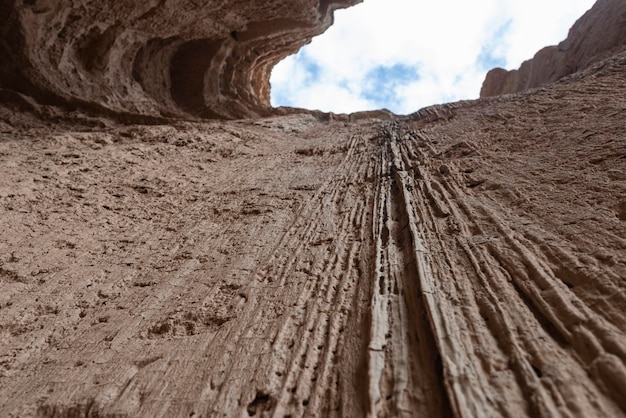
(406, 54)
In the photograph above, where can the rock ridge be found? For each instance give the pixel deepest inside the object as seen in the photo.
(598, 34)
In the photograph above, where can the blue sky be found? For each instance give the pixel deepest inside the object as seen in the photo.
(406, 54)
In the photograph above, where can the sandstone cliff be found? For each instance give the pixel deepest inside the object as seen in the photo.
(468, 260)
(210, 59)
(600, 33)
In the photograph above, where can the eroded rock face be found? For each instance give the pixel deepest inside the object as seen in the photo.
(463, 261)
(600, 33)
(207, 58)
(466, 261)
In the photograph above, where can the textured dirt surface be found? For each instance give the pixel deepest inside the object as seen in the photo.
(469, 260)
(598, 34)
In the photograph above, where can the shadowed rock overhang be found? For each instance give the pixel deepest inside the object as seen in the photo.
(208, 59)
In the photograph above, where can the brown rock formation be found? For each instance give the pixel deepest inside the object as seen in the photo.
(159, 57)
(468, 260)
(600, 33)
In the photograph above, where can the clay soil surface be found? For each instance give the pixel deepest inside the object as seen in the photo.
(469, 260)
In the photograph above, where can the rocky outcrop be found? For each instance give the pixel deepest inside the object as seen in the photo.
(206, 58)
(466, 261)
(600, 33)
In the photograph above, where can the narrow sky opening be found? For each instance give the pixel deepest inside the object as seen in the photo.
(403, 55)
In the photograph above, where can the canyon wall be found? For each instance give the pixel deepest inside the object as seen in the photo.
(203, 58)
(600, 33)
(468, 260)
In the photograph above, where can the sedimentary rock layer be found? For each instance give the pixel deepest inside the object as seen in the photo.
(600, 33)
(207, 58)
(468, 261)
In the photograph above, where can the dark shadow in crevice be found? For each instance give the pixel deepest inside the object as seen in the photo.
(189, 67)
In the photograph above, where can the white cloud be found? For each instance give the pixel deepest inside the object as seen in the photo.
(445, 46)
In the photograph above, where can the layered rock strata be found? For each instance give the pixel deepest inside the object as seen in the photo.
(208, 58)
(600, 33)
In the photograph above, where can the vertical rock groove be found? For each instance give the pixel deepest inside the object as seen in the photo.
(548, 313)
(404, 377)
